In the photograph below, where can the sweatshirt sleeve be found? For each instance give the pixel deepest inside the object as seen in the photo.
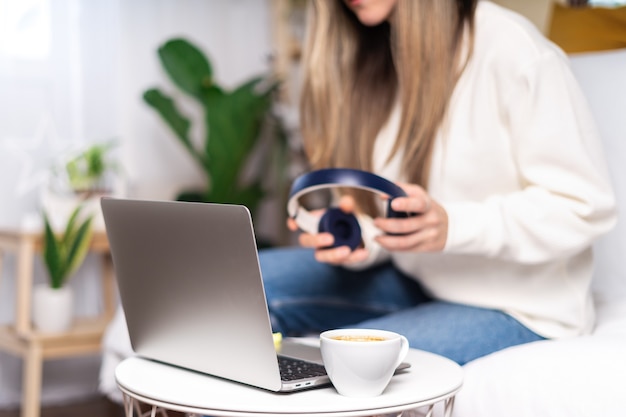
(565, 199)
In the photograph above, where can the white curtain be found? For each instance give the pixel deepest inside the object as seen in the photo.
(72, 72)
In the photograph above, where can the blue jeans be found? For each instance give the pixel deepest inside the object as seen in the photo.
(307, 297)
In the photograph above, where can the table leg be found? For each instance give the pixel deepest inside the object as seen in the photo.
(31, 386)
(448, 406)
(128, 405)
(428, 411)
(132, 406)
(420, 412)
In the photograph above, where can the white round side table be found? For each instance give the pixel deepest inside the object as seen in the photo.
(431, 379)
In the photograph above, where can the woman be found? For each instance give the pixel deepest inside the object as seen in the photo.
(478, 117)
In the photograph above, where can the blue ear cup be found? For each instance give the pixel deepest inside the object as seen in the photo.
(344, 227)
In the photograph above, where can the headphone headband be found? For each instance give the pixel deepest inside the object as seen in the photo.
(332, 178)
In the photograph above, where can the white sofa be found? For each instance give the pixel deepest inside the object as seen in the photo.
(581, 376)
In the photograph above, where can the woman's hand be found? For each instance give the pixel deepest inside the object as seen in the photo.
(426, 232)
(321, 241)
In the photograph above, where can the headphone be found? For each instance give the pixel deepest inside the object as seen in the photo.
(343, 226)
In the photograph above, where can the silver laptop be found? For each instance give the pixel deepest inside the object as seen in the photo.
(192, 293)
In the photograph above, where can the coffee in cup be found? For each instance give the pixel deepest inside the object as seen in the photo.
(361, 362)
(359, 338)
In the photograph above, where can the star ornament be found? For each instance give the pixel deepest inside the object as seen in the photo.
(37, 156)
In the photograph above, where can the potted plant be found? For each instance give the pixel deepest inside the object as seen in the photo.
(81, 179)
(63, 253)
(234, 121)
(87, 171)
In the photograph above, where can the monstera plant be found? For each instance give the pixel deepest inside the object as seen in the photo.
(234, 120)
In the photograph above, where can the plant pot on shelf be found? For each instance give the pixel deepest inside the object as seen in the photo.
(53, 308)
(81, 179)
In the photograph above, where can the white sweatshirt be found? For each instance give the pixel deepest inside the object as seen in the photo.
(518, 167)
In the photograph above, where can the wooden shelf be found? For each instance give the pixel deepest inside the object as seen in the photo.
(83, 338)
(21, 339)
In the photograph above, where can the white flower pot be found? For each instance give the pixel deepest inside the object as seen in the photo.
(53, 309)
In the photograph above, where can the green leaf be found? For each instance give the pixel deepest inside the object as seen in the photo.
(70, 228)
(64, 254)
(235, 121)
(166, 108)
(52, 256)
(86, 169)
(223, 146)
(186, 65)
(78, 247)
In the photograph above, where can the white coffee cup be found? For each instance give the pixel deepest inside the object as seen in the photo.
(361, 362)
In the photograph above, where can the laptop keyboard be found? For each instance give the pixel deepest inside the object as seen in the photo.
(292, 369)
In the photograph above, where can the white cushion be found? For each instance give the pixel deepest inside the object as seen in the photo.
(581, 377)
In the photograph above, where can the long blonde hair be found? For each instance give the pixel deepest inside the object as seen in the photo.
(353, 75)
